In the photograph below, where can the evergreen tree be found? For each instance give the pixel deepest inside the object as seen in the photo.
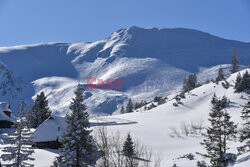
(201, 164)
(229, 130)
(129, 107)
(245, 132)
(246, 81)
(39, 112)
(30, 117)
(238, 83)
(160, 100)
(213, 136)
(221, 75)
(128, 147)
(129, 152)
(189, 83)
(122, 111)
(242, 83)
(192, 81)
(78, 147)
(235, 63)
(221, 130)
(184, 86)
(137, 105)
(20, 141)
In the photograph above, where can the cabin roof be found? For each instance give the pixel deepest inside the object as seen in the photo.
(4, 106)
(50, 130)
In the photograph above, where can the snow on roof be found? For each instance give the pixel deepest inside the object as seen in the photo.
(50, 130)
(4, 106)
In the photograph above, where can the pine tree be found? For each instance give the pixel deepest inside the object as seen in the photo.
(238, 83)
(137, 105)
(229, 130)
(78, 147)
(192, 80)
(213, 136)
(242, 83)
(245, 132)
(30, 117)
(221, 75)
(39, 112)
(189, 83)
(129, 107)
(184, 86)
(201, 164)
(20, 141)
(246, 81)
(235, 63)
(129, 151)
(122, 111)
(221, 130)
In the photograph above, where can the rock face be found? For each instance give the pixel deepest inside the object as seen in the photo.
(150, 61)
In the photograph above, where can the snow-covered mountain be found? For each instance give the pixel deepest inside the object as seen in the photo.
(150, 61)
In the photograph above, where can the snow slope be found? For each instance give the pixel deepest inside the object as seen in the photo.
(153, 127)
(150, 61)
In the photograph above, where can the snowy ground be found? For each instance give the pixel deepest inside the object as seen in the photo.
(153, 127)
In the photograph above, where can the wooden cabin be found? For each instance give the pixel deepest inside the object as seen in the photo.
(48, 134)
(6, 117)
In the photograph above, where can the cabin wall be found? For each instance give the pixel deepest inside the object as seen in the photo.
(48, 144)
(6, 124)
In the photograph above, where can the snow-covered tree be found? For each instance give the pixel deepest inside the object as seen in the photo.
(19, 143)
(122, 111)
(78, 147)
(160, 100)
(245, 132)
(201, 164)
(235, 63)
(30, 117)
(242, 83)
(128, 147)
(137, 105)
(246, 81)
(189, 83)
(129, 152)
(220, 75)
(39, 112)
(238, 83)
(213, 136)
(129, 107)
(229, 130)
(221, 130)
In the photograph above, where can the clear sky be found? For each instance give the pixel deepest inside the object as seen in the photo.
(39, 21)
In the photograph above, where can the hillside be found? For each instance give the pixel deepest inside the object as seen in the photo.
(155, 127)
(150, 61)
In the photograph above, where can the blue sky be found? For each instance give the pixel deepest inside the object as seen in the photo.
(39, 21)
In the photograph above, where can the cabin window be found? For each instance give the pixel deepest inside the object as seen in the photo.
(58, 128)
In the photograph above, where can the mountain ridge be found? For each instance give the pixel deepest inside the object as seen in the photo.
(144, 58)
